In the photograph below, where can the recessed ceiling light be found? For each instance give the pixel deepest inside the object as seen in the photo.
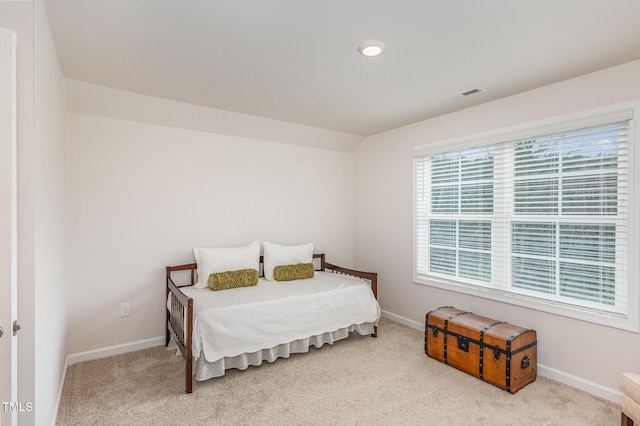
(371, 48)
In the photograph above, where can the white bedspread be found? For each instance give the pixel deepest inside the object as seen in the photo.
(243, 320)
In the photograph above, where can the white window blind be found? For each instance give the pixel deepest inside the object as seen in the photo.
(542, 218)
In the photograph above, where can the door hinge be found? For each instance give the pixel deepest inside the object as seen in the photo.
(16, 327)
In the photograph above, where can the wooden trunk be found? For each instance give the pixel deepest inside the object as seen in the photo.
(494, 351)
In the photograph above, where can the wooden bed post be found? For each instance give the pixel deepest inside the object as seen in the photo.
(374, 288)
(189, 354)
(166, 310)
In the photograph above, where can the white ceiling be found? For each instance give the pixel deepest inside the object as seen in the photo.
(296, 60)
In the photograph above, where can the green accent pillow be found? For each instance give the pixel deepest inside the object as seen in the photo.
(299, 271)
(232, 279)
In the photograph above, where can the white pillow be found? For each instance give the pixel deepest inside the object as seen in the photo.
(212, 260)
(276, 255)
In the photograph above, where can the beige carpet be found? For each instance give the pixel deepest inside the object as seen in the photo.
(357, 381)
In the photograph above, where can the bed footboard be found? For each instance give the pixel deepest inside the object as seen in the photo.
(372, 277)
(180, 320)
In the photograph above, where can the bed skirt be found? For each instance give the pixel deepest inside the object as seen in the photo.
(205, 370)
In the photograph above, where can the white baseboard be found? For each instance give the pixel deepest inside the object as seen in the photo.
(402, 320)
(585, 385)
(62, 379)
(114, 350)
(568, 379)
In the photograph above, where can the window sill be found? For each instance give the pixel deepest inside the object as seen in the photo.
(609, 319)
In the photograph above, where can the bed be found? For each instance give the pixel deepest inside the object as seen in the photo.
(236, 328)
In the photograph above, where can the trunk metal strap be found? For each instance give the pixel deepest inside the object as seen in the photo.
(482, 345)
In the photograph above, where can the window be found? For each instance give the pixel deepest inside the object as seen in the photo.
(538, 216)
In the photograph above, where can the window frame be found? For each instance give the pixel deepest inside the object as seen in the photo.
(627, 321)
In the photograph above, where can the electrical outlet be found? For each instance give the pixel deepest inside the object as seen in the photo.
(125, 309)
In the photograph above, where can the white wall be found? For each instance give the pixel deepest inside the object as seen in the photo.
(142, 195)
(18, 16)
(50, 221)
(582, 354)
(41, 211)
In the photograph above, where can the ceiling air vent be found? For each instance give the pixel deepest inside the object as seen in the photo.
(463, 95)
